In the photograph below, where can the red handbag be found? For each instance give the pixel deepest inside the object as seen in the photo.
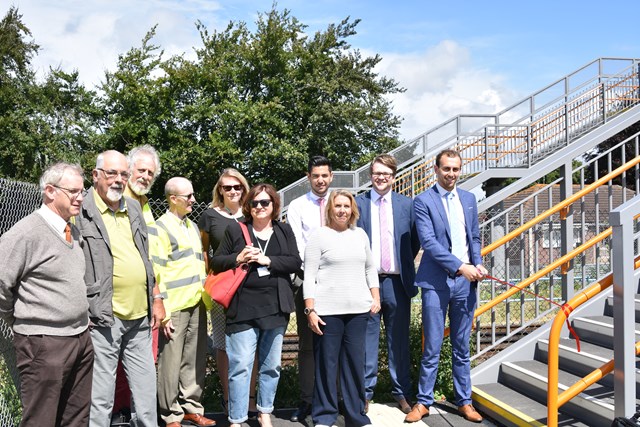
(223, 286)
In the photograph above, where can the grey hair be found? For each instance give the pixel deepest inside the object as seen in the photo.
(54, 173)
(100, 158)
(133, 155)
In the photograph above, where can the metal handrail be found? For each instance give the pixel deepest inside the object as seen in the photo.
(555, 400)
(416, 154)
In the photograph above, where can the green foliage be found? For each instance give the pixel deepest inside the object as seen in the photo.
(261, 101)
(8, 393)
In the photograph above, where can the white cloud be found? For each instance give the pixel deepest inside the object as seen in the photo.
(89, 35)
(441, 83)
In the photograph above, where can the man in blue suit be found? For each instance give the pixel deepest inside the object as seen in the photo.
(387, 218)
(451, 265)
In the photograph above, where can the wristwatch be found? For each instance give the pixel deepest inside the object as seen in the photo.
(308, 311)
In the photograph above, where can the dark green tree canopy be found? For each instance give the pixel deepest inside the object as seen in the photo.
(261, 101)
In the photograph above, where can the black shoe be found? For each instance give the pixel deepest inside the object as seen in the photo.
(303, 411)
(122, 418)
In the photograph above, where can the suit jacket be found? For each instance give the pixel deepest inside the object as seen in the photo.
(438, 266)
(405, 237)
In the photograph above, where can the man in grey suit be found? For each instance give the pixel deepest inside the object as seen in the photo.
(451, 265)
(387, 218)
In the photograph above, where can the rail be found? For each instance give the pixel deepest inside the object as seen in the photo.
(554, 399)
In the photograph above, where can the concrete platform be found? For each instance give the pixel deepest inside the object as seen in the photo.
(382, 415)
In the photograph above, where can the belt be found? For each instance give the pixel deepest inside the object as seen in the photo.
(385, 275)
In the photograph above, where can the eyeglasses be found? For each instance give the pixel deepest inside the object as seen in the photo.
(112, 174)
(232, 187)
(186, 196)
(71, 194)
(264, 203)
(382, 174)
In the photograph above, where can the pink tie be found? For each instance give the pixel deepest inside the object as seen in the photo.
(385, 255)
(321, 200)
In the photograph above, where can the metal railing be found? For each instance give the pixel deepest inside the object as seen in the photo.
(517, 137)
(526, 252)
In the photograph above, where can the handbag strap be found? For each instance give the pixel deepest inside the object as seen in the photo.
(245, 233)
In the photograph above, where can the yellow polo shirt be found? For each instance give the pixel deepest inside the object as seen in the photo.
(129, 276)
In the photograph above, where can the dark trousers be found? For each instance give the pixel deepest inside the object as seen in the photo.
(341, 346)
(396, 314)
(55, 379)
(305, 350)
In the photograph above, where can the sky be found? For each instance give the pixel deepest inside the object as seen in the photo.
(453, 57)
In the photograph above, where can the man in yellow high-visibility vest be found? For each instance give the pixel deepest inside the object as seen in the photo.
(178, 263)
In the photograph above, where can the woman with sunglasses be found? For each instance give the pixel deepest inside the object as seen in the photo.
(259, 312)
(226, 208)
(340, 288)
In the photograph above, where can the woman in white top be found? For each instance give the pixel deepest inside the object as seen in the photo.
(340, 290)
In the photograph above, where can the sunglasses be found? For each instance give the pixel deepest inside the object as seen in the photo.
(232, 187)
(264, 203)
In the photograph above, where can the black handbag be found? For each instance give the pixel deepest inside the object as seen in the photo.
(626, 422)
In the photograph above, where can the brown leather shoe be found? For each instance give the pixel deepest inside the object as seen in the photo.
(469, 413)
(404, 405)
(198, 420)
(418, 412)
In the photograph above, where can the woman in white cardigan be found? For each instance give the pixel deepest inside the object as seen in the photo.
(340, 288)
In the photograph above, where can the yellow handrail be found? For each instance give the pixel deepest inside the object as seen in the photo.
(554, 401)
(562, 205)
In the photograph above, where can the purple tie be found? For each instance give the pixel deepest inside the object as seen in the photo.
(385, 253)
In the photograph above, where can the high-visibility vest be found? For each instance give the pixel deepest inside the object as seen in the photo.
(178, 263)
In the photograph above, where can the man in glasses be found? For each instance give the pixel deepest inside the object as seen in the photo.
(124, 301)
(305, 214)
(387, 218)
(144, 168)
(43, 300)
(180, 272)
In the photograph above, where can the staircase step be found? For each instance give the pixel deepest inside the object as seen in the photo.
(529, 377)
(590, 357)
(598, 330)
(511, 408)
(608, 307)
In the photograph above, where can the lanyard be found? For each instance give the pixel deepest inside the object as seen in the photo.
(263, 250)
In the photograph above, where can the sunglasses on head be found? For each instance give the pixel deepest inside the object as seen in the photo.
(232, 187)
(264, 203)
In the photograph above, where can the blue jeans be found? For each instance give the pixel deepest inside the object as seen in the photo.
(241, 350)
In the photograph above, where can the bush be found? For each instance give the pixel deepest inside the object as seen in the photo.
(287, 395)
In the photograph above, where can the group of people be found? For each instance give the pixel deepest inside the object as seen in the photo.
(96, 289)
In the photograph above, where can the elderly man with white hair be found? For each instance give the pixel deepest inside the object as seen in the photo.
(125, 303)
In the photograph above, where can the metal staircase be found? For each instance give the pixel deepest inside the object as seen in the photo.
(550, 130)
(516, 142)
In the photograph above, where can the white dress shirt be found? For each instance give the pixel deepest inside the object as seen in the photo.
(304, 217)
(458, 206)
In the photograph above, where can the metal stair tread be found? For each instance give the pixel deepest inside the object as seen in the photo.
(606, 321)
(504, 399)
(600, 394)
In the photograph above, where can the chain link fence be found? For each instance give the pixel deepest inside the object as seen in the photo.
(19, 199)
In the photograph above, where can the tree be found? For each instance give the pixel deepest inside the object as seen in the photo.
(267, 101)
(40, 123)
(262, 102)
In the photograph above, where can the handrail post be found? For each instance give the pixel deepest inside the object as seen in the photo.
(624, 289)
(566, 231)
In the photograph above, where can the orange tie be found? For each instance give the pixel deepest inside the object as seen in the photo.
(67, 233)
